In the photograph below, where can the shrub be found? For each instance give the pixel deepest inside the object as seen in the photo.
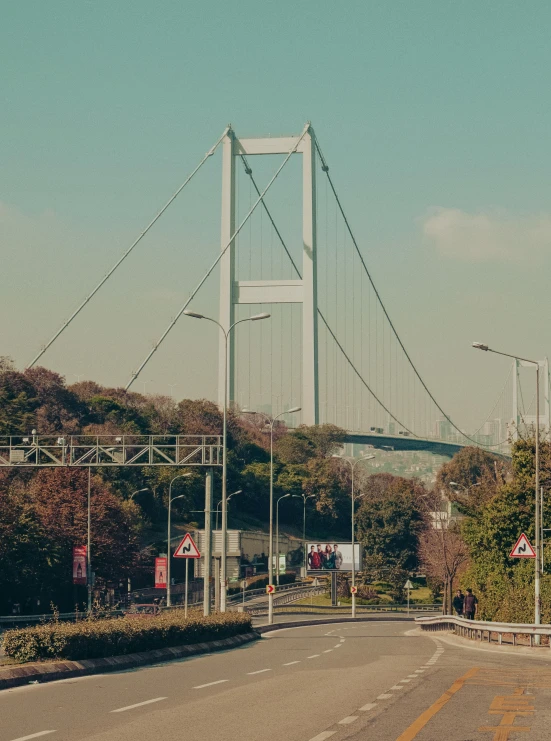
(93, 639)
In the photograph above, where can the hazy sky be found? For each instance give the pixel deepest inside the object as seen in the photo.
(435, 117)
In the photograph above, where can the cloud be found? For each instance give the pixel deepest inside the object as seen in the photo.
(487, 235)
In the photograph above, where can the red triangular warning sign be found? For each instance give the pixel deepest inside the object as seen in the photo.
(187, 548)
(522, 549)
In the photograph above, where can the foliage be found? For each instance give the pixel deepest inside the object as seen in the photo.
(93, 639)
(475, 475)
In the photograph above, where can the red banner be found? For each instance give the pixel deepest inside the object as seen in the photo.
(160, 572)
(79, 564)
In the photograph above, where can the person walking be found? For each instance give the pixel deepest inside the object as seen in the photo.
(470, 605)
(458, 602)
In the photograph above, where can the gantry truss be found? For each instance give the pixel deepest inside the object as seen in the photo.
(40, 451)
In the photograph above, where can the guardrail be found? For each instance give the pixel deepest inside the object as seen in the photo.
(488, 632)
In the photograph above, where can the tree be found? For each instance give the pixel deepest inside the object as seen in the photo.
(442, 551)
(476, 476)
(388, 524)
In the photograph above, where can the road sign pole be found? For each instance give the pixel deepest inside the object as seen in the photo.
(187, 586)
(208, 542)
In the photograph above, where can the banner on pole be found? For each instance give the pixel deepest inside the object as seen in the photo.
(79, 564)
(160, 572)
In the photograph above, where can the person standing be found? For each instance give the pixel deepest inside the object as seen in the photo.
(470, 605)
(458, 602)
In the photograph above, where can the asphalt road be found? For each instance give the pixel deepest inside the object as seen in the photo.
(358, 681)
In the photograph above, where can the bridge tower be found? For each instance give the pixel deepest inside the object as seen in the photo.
(234, 292)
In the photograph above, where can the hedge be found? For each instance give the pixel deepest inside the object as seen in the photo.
(94, 639)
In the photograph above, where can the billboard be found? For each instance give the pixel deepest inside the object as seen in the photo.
(160, 572)
(332, 556)
(79, 564)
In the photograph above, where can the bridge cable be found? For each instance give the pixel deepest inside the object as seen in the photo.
(220, 256)
(129, 250)
(325, 168)
(248, 170)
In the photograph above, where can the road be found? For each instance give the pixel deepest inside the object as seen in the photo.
(353, 681)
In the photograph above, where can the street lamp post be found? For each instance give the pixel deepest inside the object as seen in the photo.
(271, 421)
(168, 548)
(285, 496)
(537, 561)
(129, 585)
(228, 500)
(226, 333)
(353, 463)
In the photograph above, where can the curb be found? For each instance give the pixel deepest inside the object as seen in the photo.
(22, 674)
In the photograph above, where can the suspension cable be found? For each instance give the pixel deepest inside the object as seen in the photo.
(325, 168)
(220, 256)
(173, 197)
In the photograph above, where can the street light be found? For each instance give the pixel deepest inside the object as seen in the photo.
(138, 491)
(537, 563)
(223, 570)
(220, 502)
(168, 550)
(297, 496)
(353, 463)
(271, 422)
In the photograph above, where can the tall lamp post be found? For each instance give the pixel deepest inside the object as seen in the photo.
(352, 462)
(537, 561)
(226, 333)
(168, 548)
(271, 421)
(285, 496)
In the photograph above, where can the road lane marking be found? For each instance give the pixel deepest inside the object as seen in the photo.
(323, 735)
(397, 687)
(412, 676)
(338, 645)
(259, 671)
(405, 681)
(419, 671)
(348, 719)
(369, 706)
(138, 705)
(384, 697)
(413, 730)
(327, 650)
(290, 663)
(33, 735)
(314, 656)
(210, 684)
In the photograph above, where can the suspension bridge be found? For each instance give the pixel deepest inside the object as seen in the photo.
(288, 247)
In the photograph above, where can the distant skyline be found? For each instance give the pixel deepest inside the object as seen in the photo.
(434, 116)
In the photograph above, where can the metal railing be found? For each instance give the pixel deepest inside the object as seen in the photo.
(41, 451)
(515, 634)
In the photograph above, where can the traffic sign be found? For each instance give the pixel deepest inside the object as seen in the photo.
(187, 548)
(270, 589)
(408, 585)
(354, 590)
(522, 549)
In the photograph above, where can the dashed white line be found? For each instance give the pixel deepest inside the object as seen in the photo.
(419, 671)
(342, 640)
(327, 650)
(384, 697)
(210, 684)
(259, 671)
(138, 705)
(323, 735)
(348, 719)
(404, 681)
(314, 656)
(338, 645)
(290, 663)
(33, 735)
(369, 706)
(397, 687)
(412, 676)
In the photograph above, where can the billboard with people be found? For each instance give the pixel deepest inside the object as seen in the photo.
(332, 556)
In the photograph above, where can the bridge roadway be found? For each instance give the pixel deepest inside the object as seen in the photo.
(355, 681)
(409, 443)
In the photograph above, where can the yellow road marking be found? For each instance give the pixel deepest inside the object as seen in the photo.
(410, 733)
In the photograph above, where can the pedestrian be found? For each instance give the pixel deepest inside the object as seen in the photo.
(458, 602)
(470, 605)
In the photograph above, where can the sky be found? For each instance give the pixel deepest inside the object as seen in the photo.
(434, 115)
